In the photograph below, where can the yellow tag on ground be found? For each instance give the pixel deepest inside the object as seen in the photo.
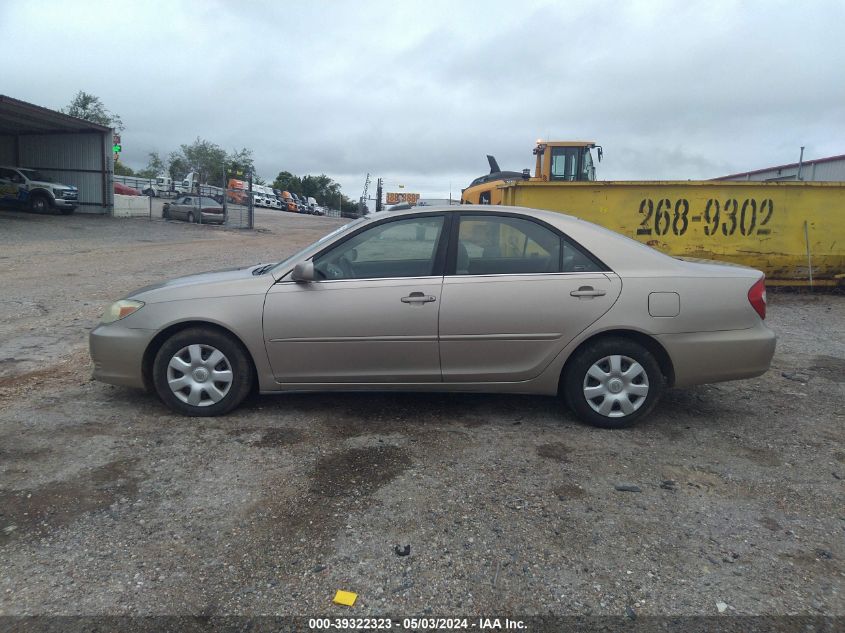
(346, 598)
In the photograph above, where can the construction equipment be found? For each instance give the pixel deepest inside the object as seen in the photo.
(793, 231)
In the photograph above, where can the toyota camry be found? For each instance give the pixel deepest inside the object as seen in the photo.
(470, 298)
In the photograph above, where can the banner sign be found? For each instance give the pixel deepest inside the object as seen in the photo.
(397, 198)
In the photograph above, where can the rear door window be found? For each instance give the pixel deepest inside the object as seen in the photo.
(502, 245)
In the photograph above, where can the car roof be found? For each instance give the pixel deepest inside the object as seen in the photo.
(552, 217)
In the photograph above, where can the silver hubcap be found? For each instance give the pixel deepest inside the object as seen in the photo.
(616, 386)
(199, 375)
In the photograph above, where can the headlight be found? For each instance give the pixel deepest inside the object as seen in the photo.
(120, 310)
(58, 192)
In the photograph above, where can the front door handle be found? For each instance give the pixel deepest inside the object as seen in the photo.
(587, 291)
(418, 297)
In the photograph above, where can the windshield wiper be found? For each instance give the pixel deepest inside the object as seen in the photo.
(263, 269)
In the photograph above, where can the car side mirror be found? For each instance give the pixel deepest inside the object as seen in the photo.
(303, 272)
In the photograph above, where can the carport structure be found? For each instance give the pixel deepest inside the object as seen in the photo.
(70, 150)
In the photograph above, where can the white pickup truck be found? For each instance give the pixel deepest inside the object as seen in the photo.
(21, 187)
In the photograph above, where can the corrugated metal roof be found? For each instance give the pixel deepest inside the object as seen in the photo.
(776, 167)
(20, 117)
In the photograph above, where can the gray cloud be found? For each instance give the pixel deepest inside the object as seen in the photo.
(418, 93)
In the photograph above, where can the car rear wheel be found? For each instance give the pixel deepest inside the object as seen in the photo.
(202, 372)
(613, 383)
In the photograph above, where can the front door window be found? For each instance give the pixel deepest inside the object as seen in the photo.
(402, 248)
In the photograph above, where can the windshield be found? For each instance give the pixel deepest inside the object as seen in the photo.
(35, 175)
(299, 254)
(589, 169)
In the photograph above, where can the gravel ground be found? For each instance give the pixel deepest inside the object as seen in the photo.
(110, 504)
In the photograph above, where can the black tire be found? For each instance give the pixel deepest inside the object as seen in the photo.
(191, 217)
(39, 203)
(575, 380)
(236, 357)
(165, 212)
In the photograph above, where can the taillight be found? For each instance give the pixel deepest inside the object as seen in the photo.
(757, 297)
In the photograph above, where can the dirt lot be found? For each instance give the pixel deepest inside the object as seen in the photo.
(111, 504)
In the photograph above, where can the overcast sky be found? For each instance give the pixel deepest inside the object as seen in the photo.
(419, 92)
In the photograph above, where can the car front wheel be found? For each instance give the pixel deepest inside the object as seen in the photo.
(40, 203)
(613, 383)
(202, 372)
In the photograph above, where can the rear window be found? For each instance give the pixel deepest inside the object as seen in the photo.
(503, 245)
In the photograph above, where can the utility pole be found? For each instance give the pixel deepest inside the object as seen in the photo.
(378, 195)
(363, 202)
(800, 164)
(250, 210)
(225, 197)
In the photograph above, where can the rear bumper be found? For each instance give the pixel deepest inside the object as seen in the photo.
(118, 354)
(213, 218)
(705, 357)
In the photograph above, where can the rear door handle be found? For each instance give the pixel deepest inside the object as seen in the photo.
(587, 291)
(418, 297)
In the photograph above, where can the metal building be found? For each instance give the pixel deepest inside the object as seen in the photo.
(70, 150)
(831, 168)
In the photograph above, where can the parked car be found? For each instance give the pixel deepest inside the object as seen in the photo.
(499, 300)
(29, 188)
(124, 190)
(194, 209)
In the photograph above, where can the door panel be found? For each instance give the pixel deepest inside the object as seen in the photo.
(510, 327)
(354, 330)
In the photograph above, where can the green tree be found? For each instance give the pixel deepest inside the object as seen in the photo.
(206, 158)
(322, 188)
(286, 181)
(155, 166)
(178, 165)
(210, 160)
(240, 163)
(122, 169)
(91, 108)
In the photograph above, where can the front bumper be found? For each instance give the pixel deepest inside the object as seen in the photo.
(61, 203)
(118, 353)
(705, 357)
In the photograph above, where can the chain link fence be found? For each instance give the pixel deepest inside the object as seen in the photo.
(188, 201)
